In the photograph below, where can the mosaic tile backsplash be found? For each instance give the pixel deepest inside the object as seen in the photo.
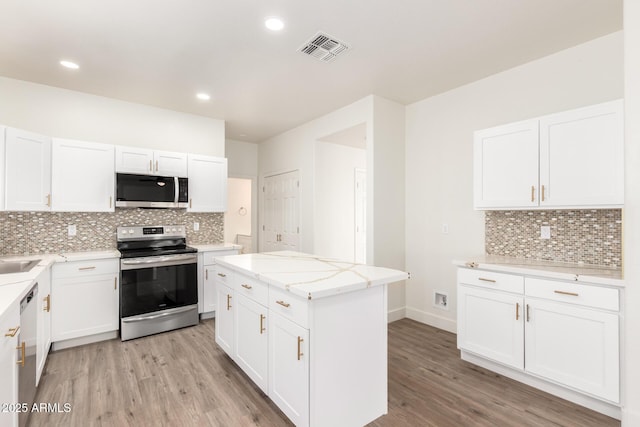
(46, 232)
(577, 236)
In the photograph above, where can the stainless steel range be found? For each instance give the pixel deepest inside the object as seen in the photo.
(158, 280)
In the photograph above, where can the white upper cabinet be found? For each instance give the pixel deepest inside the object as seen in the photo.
(150, 162)
(207, 183)
(582, 157)
(572, 159)
(506, 166)
(28, 171)
(2, 145)
(82, 178)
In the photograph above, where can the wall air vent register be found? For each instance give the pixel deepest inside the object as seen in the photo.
(324, 47)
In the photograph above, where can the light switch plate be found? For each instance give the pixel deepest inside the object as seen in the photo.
(196, 226)
(71, 230)
(545, 232)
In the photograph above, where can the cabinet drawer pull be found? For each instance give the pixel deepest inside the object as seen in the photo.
(247, 286)
(222, 275)
(262, 317)
(573, 294)
(517, 311)
(284, 304)
(228, 302)
(300, 353)
(528, 313)
(12, 332)
(533, 191)
(87, 268)
(486, 280)
(23, 349)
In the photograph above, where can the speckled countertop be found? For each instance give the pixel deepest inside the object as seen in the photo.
(555, 270)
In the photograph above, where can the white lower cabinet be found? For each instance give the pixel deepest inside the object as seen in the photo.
(289, 368)
(251, 340)
(225, 318)
(9, 332)
(86, 296)
(44, 321)
(207, 271)
(490, 324)
(564, 332)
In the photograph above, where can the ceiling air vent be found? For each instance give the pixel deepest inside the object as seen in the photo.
(324, 47)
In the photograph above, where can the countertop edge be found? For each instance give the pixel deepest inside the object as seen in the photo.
(573, 273)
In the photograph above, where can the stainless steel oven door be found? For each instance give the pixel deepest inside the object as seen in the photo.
(150, 284)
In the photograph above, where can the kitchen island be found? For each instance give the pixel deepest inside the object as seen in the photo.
(311, 332)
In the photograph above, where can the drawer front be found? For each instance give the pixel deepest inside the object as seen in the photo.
(252, 289)
(94, 267)
(491, 280)
(289, 306)
(574, 293)
(209, 256)
(224, 276)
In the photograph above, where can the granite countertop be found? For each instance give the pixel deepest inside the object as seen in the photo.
(309, 276)
(554, 270)
(207, 247)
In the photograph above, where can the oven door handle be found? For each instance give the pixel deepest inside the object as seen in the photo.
(136, 263)
(164, 313)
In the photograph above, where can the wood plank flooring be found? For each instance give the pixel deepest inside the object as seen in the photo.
(181, 378)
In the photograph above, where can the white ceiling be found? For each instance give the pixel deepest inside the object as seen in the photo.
(160, 52)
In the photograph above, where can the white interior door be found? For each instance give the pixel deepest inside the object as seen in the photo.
(281, 226)
(360, 214)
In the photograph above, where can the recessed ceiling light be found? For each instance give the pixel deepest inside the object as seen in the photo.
(273, 23)
(69, 64)
(203, 96)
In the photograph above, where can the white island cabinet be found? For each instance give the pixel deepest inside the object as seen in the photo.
(310, 332)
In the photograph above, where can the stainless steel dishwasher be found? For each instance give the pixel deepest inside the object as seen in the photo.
(27, 345)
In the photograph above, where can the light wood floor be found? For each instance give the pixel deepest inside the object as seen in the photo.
(181, 378)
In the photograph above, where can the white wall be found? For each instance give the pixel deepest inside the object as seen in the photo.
(439, 181)
(69, 114)
(335, 199)
(237, 219)
(294, 150)
(630, 336)
(242, 158)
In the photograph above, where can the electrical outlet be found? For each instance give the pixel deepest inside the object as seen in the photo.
(445, 228)
(545, 232)
(71, 230)
(196, 226)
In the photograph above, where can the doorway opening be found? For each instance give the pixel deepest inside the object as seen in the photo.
(239, 214)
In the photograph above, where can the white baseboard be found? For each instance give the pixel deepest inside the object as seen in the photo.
(432, 319)
(209, 315)
(396, 314)
(74, 342)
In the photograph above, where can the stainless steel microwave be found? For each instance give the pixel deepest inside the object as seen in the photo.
(151, 191)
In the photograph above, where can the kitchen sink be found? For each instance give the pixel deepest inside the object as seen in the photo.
(8, 267)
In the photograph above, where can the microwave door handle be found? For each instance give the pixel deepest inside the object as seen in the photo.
(176, 186)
